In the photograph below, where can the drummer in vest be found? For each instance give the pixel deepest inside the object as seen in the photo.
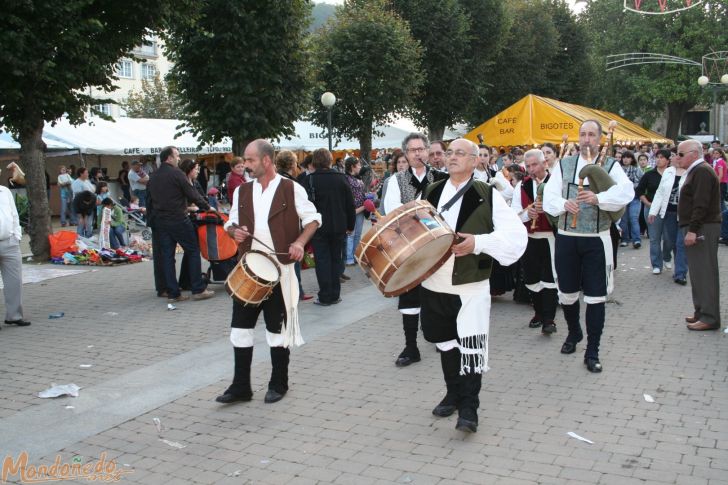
(537, 264)
(405, 187)
(268, 213)
(583, 255)
(456, 298)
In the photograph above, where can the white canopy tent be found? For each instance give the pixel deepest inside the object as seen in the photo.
(7, 142)
(129, 137)
(310, 137)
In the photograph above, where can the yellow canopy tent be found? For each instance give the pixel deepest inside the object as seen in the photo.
(534, 120)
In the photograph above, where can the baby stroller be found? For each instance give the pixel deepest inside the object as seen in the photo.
(135, 220)
(216, 245)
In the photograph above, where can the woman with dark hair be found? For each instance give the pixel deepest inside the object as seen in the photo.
(664, 207)
(550, 154)
(84, 202)
(630, 224)
(660, 245)
(192, 170)
(721, 169)
(286, 165)
(236, 177)
(353, 166)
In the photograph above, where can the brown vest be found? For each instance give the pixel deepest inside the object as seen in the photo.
(283, 221)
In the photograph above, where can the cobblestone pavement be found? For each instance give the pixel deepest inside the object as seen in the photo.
(351, 416)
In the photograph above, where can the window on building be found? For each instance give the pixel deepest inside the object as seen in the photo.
(125, 69)
(149, 70)
(103, 108)
(148, 48)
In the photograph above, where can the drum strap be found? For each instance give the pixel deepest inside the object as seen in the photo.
(457, 196)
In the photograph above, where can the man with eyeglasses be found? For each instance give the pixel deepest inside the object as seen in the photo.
(699, 218)
(402, 188)
(437, 155)
(583, 253)
(456, 298)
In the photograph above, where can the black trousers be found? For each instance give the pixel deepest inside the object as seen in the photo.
(327, 250)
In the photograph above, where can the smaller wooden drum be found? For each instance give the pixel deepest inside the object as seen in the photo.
(405, 247)
(253, 279)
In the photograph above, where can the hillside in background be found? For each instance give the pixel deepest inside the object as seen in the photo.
(321, 13)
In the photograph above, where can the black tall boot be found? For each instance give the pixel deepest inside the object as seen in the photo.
(411, 353)
(595, 313)
(450, 362)
(549, 299)
(278, 385)
(240, 389)
(571, 315)
(537, 319)
(468, 402)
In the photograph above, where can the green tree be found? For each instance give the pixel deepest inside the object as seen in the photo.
(52, 52)
(442, 27)
(523, 67)
(489, 21)
(240, 70)
(154, 101)
(651, 90)
(366, 56)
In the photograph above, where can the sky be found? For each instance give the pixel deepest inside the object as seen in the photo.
(576, 5)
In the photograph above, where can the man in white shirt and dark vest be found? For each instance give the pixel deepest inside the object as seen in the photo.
(268, 213)
(405, 187)
(456, 298)
(583, 255)
(538, 270)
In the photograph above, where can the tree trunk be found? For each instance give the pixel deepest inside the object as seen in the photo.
(365, 142)
(435, 133)
(675, 113)
(239, 144)
(32, 161)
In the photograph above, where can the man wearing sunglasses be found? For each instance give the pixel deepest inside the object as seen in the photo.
(698, 213)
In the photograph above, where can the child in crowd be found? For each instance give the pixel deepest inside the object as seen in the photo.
(116, 229)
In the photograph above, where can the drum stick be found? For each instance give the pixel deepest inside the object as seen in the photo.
(272, 251)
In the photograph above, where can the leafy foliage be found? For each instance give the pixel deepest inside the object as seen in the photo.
(647, 91)
(442, 27)
(53, 50)
(154, 101)
(366, 56)
(241, 69)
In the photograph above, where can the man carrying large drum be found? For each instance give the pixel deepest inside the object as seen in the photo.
(402, 188)
(265, 219)
(456, 298)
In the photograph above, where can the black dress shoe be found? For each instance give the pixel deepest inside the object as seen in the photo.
(681, 281)
(593, 365)
(320, 303)
(273, 396)
(548, 328)
(19, 323)
(446, 407)
(535, 322)
(407, 360)
(569, 346)
(229, 398)
(467, 421)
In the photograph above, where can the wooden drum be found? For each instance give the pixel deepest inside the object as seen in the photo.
(405, 247)
(253, 279)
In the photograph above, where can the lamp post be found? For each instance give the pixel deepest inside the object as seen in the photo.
(704, 82)
(328, 99)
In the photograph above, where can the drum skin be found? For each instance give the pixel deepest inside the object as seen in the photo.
(245, 286)
(405, 247)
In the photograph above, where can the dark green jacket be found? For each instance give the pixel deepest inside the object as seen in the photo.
(476, 217)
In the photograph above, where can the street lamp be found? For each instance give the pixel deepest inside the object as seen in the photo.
(328, 99)
(703, 82)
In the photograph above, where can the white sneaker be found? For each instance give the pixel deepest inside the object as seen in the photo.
(668, 264)
(656, 271)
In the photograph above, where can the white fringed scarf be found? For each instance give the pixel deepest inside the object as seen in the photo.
(291, 330)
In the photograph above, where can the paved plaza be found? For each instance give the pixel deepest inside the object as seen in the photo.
(148, 379)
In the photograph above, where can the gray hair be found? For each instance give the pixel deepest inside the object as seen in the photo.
(535, 152)
(264, 148)
(415, 136)
(599, 125)
(474, 150)
(694, 145)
